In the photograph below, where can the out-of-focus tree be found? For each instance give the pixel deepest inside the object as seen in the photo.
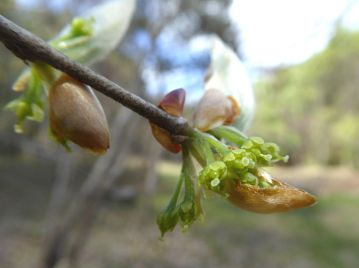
(313, 108)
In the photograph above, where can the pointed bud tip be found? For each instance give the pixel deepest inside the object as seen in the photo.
(279, 198)
(173, 102)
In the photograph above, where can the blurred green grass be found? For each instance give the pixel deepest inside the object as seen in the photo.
(325, 235)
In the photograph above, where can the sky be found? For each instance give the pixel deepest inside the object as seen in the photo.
(281, 32)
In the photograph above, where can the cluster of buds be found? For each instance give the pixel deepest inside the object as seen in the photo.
(75, 113)
(232, 166)
(242, 161)
(239, 175)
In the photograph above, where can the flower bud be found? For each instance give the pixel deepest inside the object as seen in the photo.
(228, 75)
(274, 196)
(171, 103)
(167, 220)
(212, 176)
(77, 115)
(215, 109)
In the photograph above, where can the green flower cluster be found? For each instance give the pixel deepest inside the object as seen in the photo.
(226, 156)
(241, 161)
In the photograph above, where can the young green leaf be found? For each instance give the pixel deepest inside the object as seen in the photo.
(92, 35)
(30, 104)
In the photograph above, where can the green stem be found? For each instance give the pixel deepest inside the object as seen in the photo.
(198, 156)
(216, 144)
(230, 134)
(188, 171)
(200, 147)
(190, 208)
(173, 202)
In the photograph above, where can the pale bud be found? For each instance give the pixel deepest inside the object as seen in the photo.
(77, 115)
(215, 109)
(228, 96)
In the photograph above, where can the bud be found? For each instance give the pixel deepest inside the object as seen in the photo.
(215, 109)
(171, 103)
(93, 35)
(275, 196)
(167, 220)
(77, 115)
(212, 175)
(232, 102)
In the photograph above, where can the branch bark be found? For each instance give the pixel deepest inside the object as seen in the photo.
(29, 47)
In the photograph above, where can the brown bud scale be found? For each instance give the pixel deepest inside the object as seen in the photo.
(77, 115)
(281, 197)
(173, 104)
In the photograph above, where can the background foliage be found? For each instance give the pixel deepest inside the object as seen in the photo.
(312, 108)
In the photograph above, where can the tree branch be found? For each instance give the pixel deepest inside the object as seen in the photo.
(29, 47)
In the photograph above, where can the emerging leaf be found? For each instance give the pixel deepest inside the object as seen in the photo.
(30, 105)
(91, 36)
(77, 115)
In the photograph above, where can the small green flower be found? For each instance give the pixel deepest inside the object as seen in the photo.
(212, 175)
(239, 159)
(167, 220)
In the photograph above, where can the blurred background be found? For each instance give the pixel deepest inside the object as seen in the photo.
(76, 210)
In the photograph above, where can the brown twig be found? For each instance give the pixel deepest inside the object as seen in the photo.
(29, 47)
